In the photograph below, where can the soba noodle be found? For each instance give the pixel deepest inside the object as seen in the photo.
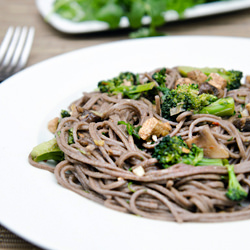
(99, 164)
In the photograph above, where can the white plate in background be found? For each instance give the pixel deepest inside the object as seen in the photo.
(45, 8)
(37, 208)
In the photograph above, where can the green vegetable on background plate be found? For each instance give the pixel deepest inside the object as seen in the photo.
(111, 12)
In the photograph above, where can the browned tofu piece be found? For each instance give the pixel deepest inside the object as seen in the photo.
(248, 108)
(184, 80)
(153, 126)
(217, 81)
(248, 79)
(52, 125)
(197, 76)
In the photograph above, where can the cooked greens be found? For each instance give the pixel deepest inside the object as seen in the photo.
(173, 150)
(157, 135)
(127, 84)
(233, 77)
(183, 98)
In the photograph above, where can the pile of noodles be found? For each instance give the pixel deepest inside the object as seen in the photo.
(98, 164)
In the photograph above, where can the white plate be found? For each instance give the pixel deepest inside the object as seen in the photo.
(45, 7)
(35, 207)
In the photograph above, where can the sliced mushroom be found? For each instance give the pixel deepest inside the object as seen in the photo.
(89, 116)
(243, 124)
(205, 140)
(206, 88)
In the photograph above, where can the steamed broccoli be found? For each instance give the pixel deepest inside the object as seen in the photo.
(184, 97)
(160, 77)
(169, 151)
(65, 113)
(109, 86)
(235, 191)
(173, 150)
(233, 77)
(126, 83)
(221, 107)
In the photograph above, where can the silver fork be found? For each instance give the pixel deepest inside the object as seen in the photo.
(14, 50)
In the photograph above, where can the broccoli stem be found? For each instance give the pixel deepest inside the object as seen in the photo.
(206, 70)
(133, 91)
(210, 162)
(221, 107)
(142, 88)
(235, 191)
(48, 150)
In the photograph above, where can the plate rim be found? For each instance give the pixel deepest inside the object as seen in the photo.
(56, 58)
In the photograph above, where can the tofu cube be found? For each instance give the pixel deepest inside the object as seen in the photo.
(248, 108)
(53, 124)
(153, 126)
(139, 171)
(184, 80)
(197, 76)
(217, 81)
(248, 79)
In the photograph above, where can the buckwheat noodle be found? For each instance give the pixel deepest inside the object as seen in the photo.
(181, 193)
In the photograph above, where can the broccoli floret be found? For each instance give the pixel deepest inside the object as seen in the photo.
(206, 99)
(65, 113)
(160, 77)
(128, 76)
(183, 98)
(194, 156)
(233, 77)
(169, 151)
(126, 83)
(235, 191)
(173, 150)
(110, 85)
(106, 86)
(221, 107)
(168, 102)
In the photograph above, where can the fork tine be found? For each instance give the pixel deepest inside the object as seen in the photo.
(15, 50)
(5, 43)
(26, 49)
(11, 48)
(19, 48)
